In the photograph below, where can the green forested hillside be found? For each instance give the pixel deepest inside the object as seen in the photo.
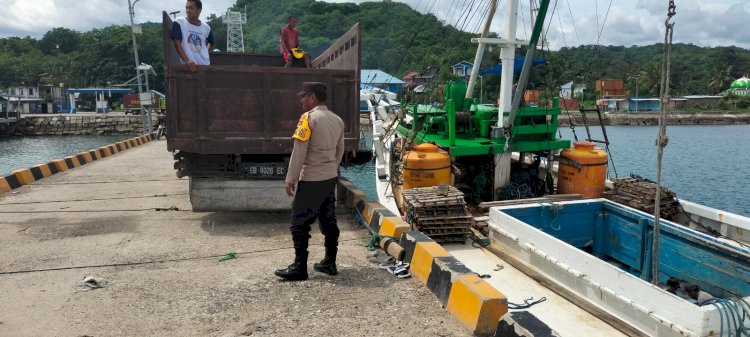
(396, 39)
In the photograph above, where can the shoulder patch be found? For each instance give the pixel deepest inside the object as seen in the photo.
(303, 131)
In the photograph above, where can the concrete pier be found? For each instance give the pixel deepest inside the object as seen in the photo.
(126, 221)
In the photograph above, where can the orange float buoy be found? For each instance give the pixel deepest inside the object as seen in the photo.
(425, 166)
(584, 172)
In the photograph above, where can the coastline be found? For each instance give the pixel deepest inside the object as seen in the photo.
(640, 119)
(649, 119)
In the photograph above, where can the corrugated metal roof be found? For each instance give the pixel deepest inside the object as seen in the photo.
(376, 76)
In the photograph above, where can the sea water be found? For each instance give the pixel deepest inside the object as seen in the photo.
(706, 164)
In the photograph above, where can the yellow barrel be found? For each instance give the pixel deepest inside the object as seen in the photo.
(584, 171)
(426, 165)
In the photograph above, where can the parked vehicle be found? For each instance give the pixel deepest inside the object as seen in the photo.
(230, 123)
(132, 104)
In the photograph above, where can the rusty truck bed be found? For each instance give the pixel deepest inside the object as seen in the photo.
(247, 104)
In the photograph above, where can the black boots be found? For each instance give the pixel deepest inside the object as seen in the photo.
(296, 271)
(328, 264)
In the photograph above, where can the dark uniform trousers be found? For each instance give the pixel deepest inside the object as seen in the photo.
(314, 200)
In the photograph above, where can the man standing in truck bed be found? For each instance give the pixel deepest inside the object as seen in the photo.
(289, 43)
(313, 167)
(192, 38)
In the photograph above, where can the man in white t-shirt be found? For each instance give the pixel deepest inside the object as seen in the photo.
(192, 38)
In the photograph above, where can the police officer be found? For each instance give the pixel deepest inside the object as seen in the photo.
(313, 168)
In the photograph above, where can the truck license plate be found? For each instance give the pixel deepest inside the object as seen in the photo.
(266, 171)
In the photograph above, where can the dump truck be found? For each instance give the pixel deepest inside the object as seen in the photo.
(132, 104)
(230, 123)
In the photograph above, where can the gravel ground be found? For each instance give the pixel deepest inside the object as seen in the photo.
(162, 268)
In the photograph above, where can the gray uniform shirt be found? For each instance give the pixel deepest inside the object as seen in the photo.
(318, 158)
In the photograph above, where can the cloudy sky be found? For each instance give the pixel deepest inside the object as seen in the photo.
(628, 22)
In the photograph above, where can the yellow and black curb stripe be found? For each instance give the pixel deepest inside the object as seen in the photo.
(469, 298)
(28, 175)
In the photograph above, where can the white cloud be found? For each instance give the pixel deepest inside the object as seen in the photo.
(36, 17)
(629, 22)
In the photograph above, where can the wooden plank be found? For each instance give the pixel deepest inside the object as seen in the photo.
(567, 197)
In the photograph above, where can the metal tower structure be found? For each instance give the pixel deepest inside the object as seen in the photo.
(235, 39)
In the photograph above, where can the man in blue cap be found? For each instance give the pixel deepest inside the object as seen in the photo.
(313, 172)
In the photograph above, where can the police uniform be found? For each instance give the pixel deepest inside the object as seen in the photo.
(318, 149)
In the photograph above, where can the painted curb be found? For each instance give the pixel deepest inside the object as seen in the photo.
(472, 300)
(28, 175)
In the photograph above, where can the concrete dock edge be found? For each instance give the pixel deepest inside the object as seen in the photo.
(472, 300)
(27, 176)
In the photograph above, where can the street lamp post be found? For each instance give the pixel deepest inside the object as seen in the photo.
(146, 124)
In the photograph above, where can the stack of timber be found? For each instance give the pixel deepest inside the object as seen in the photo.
(439, 211)
(641, 195)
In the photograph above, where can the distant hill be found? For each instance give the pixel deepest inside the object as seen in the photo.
(396, 39)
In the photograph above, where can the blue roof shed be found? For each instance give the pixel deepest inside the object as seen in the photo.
(380, 79)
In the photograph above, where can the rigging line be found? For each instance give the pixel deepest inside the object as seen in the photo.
(466, 15)
(549, 25)
(478, 28)
(474, 29)
(465, 7)
(416, 8)
(662, 140)
(438, 24)
(450, 10)
(475, 18)
(604, 22)
(596, 13)
(419, 30)
(562, 32)
(572, 20)
(473, 15)
(460, 9)
(523, 21)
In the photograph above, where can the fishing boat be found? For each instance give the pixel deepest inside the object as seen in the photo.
(550, 213)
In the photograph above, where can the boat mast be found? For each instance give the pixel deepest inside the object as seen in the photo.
(528, 61)
(507, 55)
(480, 51)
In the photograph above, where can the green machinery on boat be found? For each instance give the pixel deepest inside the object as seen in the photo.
(468, 131)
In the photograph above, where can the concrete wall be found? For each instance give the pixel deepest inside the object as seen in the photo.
(75, 125)
(653, 119)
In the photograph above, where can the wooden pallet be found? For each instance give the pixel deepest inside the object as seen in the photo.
(439, 212)
(641, 195)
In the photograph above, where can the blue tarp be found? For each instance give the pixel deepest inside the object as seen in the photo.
(498, 68)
